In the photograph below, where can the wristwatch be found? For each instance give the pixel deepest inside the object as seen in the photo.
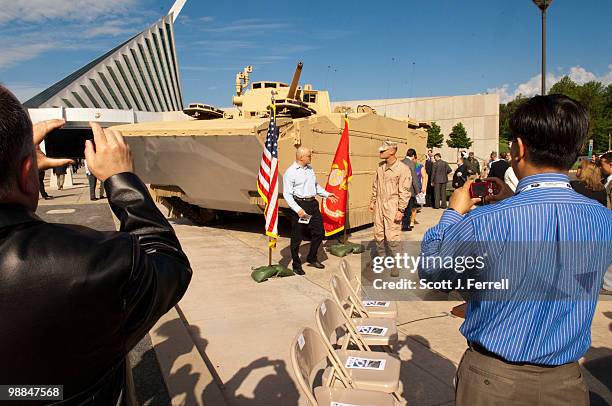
(401, 210)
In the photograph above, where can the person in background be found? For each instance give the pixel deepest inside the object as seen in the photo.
(390, 195)
(300, 190)
(439, 178)
(589, 182)
(415, 189)
(472, 163)
(60, 173)
(510, 179)
(488, 163)
(41, 186)
(92, 184)
(75, 166)
(582, 163)
(499, 167)
(423, 179)
(462, 173)
(606, 168)
(605, 161)
(429, 190)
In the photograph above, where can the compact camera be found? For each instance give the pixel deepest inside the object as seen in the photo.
(481, 189)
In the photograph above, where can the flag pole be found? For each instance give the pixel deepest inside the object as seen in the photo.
(346, 204)
(273, 112)
(346, 214)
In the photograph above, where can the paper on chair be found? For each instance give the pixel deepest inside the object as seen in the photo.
(375, 303)
(365, 363)
(372, 330)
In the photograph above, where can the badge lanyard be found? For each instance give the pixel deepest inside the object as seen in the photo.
(546, 185)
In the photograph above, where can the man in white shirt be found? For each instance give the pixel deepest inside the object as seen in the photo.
(300, 189)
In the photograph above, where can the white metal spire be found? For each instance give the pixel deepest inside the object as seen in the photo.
(176, 9)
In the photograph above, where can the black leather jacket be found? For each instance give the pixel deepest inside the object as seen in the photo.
(74, 301)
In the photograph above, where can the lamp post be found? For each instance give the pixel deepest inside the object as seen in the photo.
(543, 5)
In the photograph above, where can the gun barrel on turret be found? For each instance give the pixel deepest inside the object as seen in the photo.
(294, 82)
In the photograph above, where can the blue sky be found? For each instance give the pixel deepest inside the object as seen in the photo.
(357, 50)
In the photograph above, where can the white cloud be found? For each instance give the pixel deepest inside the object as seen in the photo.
(533, 86)
(40, 10)
(25, 91)
(254, 25)
(16, 53)
(112, 28)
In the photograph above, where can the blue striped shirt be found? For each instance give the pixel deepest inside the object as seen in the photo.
(550, 332)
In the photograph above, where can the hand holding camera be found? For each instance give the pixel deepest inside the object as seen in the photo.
(483, 188)
(474, 192)
(110, 156)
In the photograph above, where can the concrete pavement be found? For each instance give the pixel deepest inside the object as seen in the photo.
(241, 331)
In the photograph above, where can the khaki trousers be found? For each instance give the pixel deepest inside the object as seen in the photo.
(486, 381)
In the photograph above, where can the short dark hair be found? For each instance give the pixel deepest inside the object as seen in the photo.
(607, 157)
(411, 152)
(437, 154)
(15, 137)
(553, 128)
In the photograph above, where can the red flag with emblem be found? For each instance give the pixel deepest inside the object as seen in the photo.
(334, 214)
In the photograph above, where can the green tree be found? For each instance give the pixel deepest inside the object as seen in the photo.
(434, 136)
(565, 86)
(505, 112)
(594, 96)
(458, 138)
(597, 99)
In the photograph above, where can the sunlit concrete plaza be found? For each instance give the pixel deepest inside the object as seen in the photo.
(227, 342)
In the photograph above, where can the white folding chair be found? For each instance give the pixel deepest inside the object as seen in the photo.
(309, 357)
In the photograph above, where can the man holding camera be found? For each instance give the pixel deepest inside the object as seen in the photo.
(524, 348)
(75, 301)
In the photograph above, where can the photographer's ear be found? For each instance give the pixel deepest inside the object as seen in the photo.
(27, 180)
(518, 150)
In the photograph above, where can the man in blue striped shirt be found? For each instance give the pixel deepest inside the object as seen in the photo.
(551, 243)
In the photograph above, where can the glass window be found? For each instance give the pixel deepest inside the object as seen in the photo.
(310, 97)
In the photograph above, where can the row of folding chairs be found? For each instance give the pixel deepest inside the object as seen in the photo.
(340, 364)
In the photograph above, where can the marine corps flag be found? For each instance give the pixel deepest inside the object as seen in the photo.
(334, 214)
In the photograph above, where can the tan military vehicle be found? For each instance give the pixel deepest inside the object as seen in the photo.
(200, 167)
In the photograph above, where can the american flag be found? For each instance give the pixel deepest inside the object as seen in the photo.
(267, 182)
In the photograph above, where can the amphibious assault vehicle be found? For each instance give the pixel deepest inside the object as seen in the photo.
(200, 167)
